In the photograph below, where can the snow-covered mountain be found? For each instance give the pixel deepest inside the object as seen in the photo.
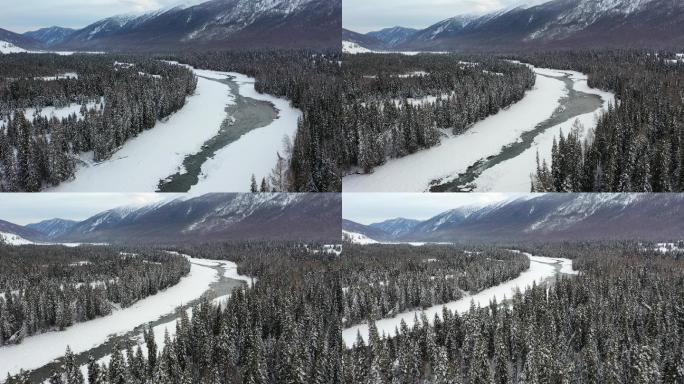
(51, 35)
(11, 42)
(351, 39)
(396, 227)
(560, 24)
(550, 217)
(217, 24)
(18, 230)
(216, 217)
(53, 227)
(394, 36)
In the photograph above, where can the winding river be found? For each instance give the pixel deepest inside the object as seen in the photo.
(574, 104)
(245, 115)
(499, 152)
(30, 355)
(542, 270)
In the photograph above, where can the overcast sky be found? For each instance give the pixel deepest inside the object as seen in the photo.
(27, 15)
(26, 208)
(371, 15)
(369, 208)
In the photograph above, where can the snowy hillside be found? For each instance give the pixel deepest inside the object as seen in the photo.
(6, 47)
(357, 238)
(353, 48)
(12, 239)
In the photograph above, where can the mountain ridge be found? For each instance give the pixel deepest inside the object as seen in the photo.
(213, 24)
(551, 217)
(211, 217)
(558, 24)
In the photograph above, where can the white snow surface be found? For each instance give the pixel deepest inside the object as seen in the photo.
(455, 154)
(7, 47)
(353, 48)
(357, 238)
(541, 268)
(38, 350)
(12, 239)
(255, 153)
(514, 175)
(157, 153)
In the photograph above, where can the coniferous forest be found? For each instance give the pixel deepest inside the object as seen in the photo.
(119, 96)
(395, 104)
(49, 288)
(619, 320)
(116, 98)
(638, 145)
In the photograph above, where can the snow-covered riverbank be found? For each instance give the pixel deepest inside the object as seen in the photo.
(38, 350)
(256, 152)
(159, 331)
(455, 154)
(541, 268)
(514, 175)
(156, 153)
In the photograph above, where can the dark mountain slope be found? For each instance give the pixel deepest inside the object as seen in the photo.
(219, 24)
(556, 217)
(561, 24)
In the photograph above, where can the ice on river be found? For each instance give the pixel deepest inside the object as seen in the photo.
(541, 268)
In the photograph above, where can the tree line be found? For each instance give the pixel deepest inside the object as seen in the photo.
(620, 320)
(418, 277)
(395, 105)
(119, 97)
(638, 144)
(48, 288)
(286, 329)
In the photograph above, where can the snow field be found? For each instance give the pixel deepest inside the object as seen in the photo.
(12, 239)
(38, 350)
(357, 238)
(541, 268)
(353, 48)
(514, 175)
(255, 153)
(7, 47)
(455, 154)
